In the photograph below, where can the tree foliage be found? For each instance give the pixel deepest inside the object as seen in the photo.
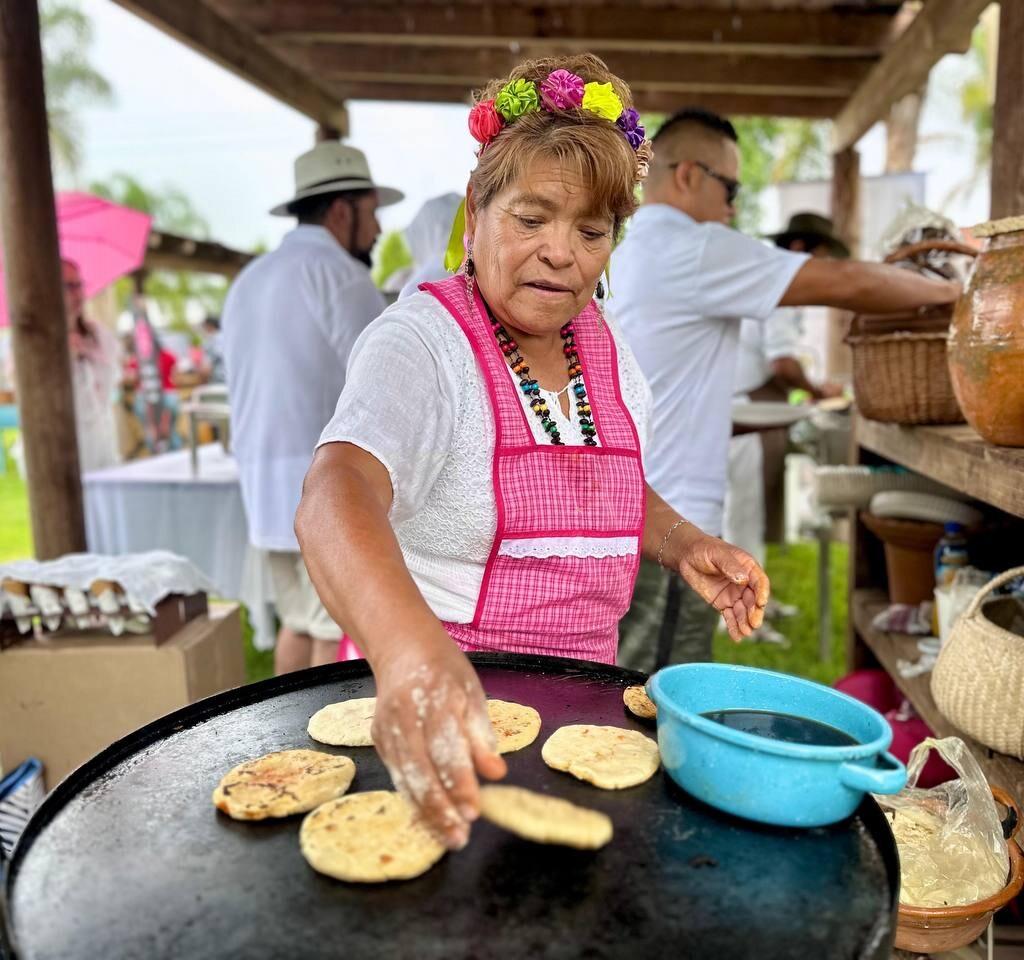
(391, 254)
(71, 80)
(172, 212)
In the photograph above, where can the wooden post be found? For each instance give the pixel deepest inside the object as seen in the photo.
(324, 132)
(846, 217)
(1007, 198)
(35, 300)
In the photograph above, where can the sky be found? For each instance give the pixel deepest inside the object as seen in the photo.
(178, 119)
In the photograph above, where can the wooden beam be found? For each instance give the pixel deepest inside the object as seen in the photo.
(812, 76)
(618, 23)
(35, 299)
(846, 218)
(1007, 198)
(941, 27)
(756, 102)
(193, 23)
(167, 251)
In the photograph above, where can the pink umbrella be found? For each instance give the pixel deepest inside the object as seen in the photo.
(105, 239)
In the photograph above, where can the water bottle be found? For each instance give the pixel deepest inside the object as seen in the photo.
(950, 554)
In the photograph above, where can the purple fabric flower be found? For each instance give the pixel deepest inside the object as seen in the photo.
(562, 90)
(629, 123)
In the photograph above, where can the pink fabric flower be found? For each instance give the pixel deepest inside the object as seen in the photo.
(485, 122)
(562, 90)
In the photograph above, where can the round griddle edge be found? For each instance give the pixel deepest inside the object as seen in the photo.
(591, 681)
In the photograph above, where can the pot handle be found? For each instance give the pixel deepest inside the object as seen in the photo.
(994, 584)
(1011, 823)
(925, 246)
(871, 779)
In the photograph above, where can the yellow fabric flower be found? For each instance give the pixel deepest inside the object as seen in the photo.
(601, 99)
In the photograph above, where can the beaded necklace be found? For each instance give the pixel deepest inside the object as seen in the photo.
(531, 388)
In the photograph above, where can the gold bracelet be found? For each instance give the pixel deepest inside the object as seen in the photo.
(664, 541)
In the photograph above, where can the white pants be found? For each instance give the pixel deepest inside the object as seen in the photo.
(744, 500)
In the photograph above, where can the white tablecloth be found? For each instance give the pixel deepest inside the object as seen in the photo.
(158, 503)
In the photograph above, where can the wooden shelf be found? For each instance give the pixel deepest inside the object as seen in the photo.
(955, 456)
(1001, 770)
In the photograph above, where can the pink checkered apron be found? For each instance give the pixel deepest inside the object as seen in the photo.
(566, 606)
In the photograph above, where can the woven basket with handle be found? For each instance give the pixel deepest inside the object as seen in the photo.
(900, 366)
(978, 681)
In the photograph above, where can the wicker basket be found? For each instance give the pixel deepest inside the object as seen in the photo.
(903, 377)
(978, 681)
(900, 364)
(839, 487)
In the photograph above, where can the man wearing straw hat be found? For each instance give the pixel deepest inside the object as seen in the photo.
(683, 280)
(289, 323)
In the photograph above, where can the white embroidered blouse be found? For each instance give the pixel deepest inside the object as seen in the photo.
(415, 399)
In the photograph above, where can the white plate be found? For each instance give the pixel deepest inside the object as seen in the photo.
(749, 413)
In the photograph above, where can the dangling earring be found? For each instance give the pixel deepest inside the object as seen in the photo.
(470, 273)
(599, 292)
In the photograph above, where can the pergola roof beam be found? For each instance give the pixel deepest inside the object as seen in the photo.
(196, 25)
(940, 27)
(849, 32)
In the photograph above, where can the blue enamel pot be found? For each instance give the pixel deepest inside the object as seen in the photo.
(758, 778)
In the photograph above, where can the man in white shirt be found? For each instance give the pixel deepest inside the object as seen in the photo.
(289, 323)
(681, 281)
(768, 368)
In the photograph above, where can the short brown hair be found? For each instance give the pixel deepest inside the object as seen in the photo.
(593, 147)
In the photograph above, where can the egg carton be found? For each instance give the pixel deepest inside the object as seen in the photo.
(40, 609)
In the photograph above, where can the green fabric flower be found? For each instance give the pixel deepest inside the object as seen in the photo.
(601, 99)
(516, 98)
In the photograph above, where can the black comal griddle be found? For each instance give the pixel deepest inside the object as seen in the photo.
(127, 858)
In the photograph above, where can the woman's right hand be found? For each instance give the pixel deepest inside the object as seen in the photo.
(432, 731)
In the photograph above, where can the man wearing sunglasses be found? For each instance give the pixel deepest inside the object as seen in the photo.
(682, 280)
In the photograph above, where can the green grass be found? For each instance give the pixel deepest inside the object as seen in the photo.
(792, 568)
(15, 533)
(259, 664)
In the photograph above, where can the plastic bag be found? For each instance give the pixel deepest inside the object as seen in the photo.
(950, 841)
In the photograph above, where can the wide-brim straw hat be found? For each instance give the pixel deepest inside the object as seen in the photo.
(332, 167)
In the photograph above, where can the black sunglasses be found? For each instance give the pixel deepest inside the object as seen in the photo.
(732, 187)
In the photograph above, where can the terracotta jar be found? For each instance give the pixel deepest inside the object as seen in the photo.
(986, 342)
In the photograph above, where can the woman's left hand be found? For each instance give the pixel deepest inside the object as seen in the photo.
(727, 578)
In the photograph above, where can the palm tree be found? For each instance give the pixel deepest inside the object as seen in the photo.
(172, 212)
(170, 208)
(71, 81)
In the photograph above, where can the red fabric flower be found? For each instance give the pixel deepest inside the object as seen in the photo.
(485, 123)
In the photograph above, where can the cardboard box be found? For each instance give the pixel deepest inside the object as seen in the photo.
(63, 699)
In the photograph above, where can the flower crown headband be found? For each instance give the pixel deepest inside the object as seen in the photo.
(562, 90)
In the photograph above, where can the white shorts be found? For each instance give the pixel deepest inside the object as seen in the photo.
(298, 606)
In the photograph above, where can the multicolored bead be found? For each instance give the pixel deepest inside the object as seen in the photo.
(531, 388)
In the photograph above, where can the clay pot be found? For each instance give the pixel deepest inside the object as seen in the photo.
(909, 556)
(937, 929)
(986, 343)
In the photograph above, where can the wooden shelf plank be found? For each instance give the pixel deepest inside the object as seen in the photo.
(1001, 770)
(955, 456)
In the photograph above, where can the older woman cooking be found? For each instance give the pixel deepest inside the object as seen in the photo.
(481, 485)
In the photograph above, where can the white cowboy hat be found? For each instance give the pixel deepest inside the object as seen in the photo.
(332, 167)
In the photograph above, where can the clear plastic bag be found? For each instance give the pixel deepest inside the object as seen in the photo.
(950, 841)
